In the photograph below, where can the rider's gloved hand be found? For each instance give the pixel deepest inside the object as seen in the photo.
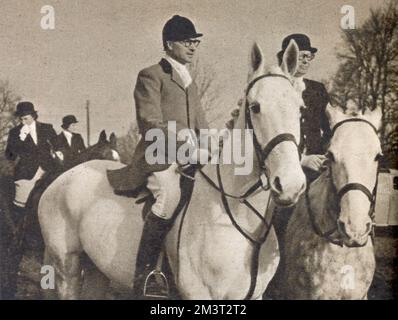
(313, 161)
(60, 155)
(25, 130)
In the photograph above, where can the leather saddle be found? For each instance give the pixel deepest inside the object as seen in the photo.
(144, 195)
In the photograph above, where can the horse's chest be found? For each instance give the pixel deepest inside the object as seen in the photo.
(320, 270)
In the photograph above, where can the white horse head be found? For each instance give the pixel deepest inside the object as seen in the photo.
(273, 106)
(354, 151)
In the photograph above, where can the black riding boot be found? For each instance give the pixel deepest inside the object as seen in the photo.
(18, 213)
(13, 253)
(153, 235)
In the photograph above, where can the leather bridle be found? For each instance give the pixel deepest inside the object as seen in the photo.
(353, 186)
(261, 154)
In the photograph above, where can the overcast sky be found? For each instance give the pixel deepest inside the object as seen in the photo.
(98, 47)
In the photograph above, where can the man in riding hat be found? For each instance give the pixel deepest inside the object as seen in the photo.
(69, 142)
(315, 131)
(164, 92)
(32, 143)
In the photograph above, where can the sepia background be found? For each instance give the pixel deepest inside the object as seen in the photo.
(98, 47)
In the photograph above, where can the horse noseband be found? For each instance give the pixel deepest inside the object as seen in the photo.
(357, 187)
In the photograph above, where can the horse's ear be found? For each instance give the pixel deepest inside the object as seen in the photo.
(374, 117)
(290, 58)
(113, 140)
(334, 114)
(102, 136)
(256, 59)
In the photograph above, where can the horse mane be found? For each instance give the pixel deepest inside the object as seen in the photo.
(352, 113)
(274, 69)
(268, 69)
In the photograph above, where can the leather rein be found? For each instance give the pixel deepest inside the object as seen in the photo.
(345, 189)
(261, 154)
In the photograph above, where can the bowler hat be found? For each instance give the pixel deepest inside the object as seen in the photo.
(179, 28)
(68, 120)
(25, 108)
(302, 41)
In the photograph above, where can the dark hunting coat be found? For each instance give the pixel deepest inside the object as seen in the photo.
(31, 156)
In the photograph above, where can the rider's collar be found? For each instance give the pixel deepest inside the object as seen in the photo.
(181, 69)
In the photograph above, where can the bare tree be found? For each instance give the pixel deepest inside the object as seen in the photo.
(8, 101)
(209, 90)
(368, 71)
(127, 144)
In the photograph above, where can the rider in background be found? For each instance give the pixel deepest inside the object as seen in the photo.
(164, 92)
(315, 134)
(315, 131)
(31, 143)
(69, 142)
(31, 146)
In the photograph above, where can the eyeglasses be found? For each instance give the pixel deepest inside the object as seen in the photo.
(308, 56)
(189, 42)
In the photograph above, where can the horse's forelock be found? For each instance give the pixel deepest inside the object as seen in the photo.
(274, 69)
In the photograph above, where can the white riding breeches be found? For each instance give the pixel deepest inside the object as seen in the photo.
(24, 187)
(165, 187)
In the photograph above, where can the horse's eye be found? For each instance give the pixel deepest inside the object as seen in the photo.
(255, 107)
(379, 157)
(330, 156)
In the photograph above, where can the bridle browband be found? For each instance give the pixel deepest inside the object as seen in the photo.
(267, 75)
(353, 186)
(339, 124)
(261, 154)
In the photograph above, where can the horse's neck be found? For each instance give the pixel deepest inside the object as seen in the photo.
(233, 181)
(83, 156)
(236, 185)
(321, 202)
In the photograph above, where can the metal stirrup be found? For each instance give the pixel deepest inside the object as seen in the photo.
(156, 274)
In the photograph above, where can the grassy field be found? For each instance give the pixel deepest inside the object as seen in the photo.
(384, 285)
